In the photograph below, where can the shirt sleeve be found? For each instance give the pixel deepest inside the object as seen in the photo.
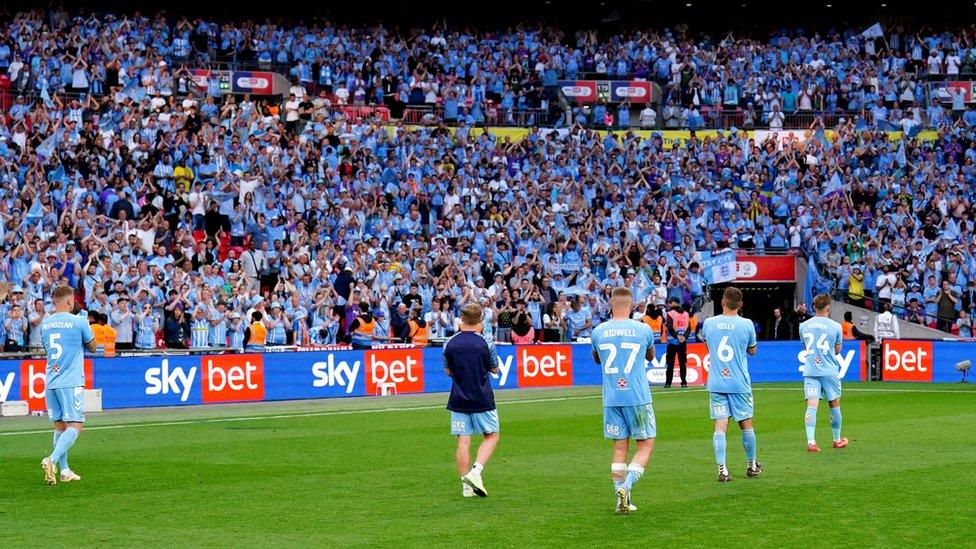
(492, 355)
(752, 335)
(447, 358)
(838, 335)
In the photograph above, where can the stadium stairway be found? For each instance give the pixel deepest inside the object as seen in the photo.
(864, 320)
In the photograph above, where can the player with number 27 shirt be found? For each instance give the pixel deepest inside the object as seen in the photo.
(622, 347)
(730, 338)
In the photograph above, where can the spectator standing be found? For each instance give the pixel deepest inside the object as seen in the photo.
(947, 299)
(176, 332)
(780, 329)
(800, 315)
(121, 321)
(886, 324)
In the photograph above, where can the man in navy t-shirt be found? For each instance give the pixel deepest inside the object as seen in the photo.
(468, 359)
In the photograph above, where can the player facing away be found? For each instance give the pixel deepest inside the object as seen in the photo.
(822, 339)
(730, 338)
(65, 337)
(468, 359)
(623, 346)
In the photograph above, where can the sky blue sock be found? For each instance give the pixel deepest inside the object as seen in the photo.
(835, 418)
(65, 441)
(634, 473)
(749, 443)
(810, 421)
(63, 462)
(718, 441)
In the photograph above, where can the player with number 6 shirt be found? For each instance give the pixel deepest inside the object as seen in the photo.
(730, 338)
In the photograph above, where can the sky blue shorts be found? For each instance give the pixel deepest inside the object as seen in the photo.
(637, 422)
(738, 406)
(66, 404)
(824, 387)
(480, 423)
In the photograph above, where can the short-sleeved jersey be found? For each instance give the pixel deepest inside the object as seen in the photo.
(470, 358)
(622, 347)
(820, 335)
(727, 338)
(64, 336)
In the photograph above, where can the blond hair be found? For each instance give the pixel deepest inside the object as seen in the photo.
(471, 314)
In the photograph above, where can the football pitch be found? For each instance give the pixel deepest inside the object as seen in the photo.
(380, 471)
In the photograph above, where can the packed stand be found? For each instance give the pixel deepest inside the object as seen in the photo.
(178, 215)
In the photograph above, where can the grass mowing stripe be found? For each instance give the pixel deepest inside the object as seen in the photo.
(287, 416)
(234, 419)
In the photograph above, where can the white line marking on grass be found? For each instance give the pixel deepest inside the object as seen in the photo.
(848, 388)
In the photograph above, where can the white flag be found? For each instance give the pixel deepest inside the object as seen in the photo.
(874, 31)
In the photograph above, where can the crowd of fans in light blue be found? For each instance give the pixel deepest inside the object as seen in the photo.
(175, 211)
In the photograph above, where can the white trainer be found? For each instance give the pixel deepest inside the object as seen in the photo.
(69, 476)
(473, 479)
(466, 491)
(49, 471)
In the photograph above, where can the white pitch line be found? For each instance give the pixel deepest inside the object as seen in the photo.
(424, 407)
(848, 388)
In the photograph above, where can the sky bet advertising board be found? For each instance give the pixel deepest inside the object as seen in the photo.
(187, 380)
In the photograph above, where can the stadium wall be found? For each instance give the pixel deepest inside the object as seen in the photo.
(864, 320)
(130, 382)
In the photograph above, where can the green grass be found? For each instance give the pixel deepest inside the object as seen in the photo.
(330, 474)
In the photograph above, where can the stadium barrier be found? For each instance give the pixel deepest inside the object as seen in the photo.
(175, 380)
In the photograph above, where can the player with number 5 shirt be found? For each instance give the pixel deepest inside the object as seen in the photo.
(730, 338)
(65, 337)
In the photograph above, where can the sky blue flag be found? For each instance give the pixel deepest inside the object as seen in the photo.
(810, 281)
(133, 90)
(57, 174)
(900, 156)
(951, 230)
(835, 185)
(46, 149)
(46, 96)
(646, 286)
(33, 215)
(34, 212)
(822, 137)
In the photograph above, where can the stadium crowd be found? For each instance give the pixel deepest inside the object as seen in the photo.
(178, 214)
